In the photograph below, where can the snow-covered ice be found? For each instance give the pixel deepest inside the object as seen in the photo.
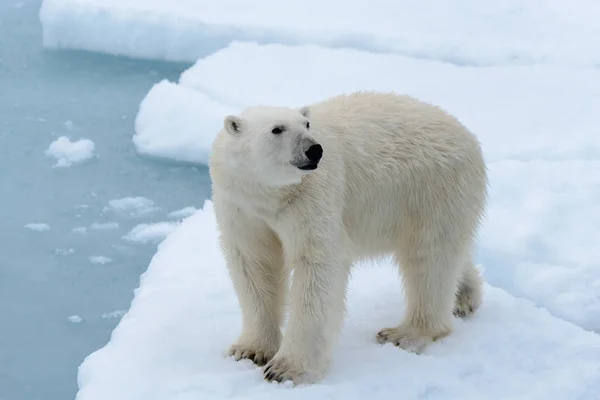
(170, 344)
(461, 32)
(152, 232)
(68, 152)
(161, 133)
(517, 112)
(537, 125)
(132, 207)
(38, 227)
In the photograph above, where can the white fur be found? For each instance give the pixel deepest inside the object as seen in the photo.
(397, 176)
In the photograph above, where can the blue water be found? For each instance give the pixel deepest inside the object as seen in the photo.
(45, 277)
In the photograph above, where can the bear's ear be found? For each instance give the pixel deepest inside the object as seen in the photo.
(233, 124)
(305, 111)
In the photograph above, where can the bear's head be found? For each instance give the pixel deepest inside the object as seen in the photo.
(271, 145)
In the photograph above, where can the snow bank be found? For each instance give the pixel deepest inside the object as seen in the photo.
(161, 132)
(461, 32)
(170, 344)
(68, 152)
(517, 112)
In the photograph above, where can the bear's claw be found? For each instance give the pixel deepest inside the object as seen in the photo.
(407, 339)
(281, 370)
(258, 357)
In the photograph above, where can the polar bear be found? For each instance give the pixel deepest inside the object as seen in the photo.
(313, 190)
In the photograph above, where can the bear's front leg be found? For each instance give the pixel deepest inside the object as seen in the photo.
(316, 314)
(254, 260)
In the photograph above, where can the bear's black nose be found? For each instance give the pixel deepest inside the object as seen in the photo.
(314, 152)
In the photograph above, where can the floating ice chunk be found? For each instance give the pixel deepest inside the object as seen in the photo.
(68, 152)
(38, 227)
(133, 207)
(99, 260)
(182, 213)
(76, 319)
(155, 232)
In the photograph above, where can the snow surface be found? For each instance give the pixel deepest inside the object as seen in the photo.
(461, 32)
(151, 232)
(68, 152)
(38, 227)
(170, 344)
(517, 112)
(537, 124)
(160, 132)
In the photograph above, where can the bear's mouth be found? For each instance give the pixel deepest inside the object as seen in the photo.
(309, 167)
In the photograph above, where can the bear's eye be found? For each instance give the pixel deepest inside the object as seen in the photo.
(277, 130)
(307, 125)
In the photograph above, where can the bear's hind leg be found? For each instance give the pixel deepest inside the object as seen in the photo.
(431, 277)
(469, 294)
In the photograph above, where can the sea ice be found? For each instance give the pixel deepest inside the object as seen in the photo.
(461, 32)
(132, 207)
(171, 342)
(67, 152)
(153, 232)
(38, 227)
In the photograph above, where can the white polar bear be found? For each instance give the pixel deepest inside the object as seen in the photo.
(312, 190)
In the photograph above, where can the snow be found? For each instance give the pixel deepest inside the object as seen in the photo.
(68, 152)
(170, 343)
(537, 125)
(38, 227)
(152, 232)
(462, 32)
(538, 107)
(161, 133)
(132, 207)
